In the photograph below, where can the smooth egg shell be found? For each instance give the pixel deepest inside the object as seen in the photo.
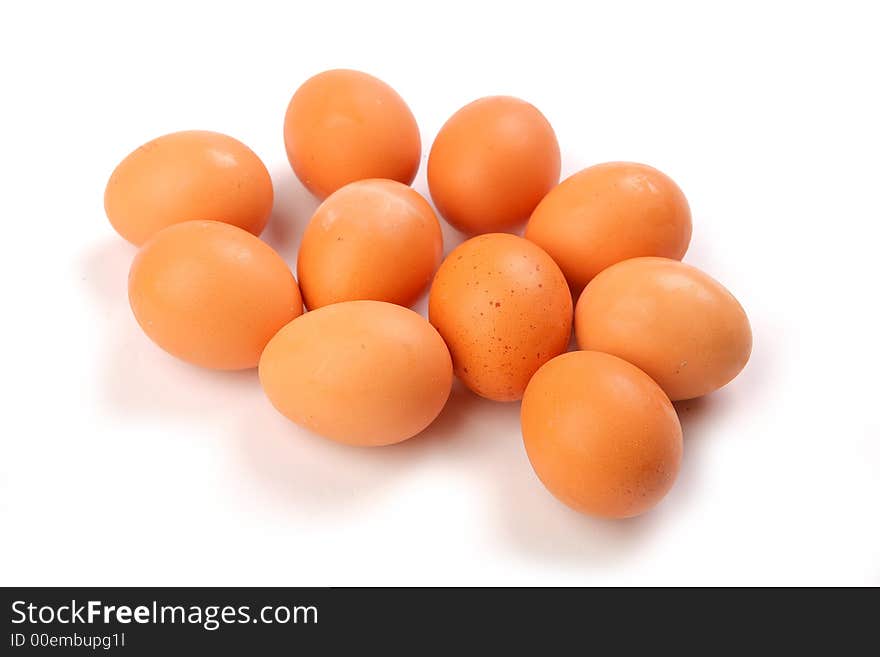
(600, 434)
(608, 213)
(671, 320)
(372, 239)
(360, 372)
(491, 163)
(186, 176)
(211, 294)
(344, 125)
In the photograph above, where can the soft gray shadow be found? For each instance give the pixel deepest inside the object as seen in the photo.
(103, 271)
(544, 529)
(573, 162)
(313, 476)
(139, 378)
(697, 417)
(452, 237)
(293, 207)
(701, 418)
(136, 377)
(540, 527)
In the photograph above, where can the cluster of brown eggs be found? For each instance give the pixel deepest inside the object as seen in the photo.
(360, 367)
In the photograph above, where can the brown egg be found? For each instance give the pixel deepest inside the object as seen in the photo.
(608, 213)
(680, 326)
(491, 163)
(600, 434)
(372, 239)
(211, 294)
(360, 372)
(343, 126)
(186, 176)
(504, 309)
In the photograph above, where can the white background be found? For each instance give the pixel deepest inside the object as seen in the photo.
(120, 465)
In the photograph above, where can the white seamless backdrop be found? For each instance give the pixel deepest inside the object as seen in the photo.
(121, 466)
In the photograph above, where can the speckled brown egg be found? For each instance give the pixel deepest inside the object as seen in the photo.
(504, 309)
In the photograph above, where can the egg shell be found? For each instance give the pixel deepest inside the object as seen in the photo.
(608, 213)
(365, 373)
(673, 321)
(600, 434)
(211, 294)
(186, 176)
(371, 239)
(344, 125)
(491, 163)
(504, 309)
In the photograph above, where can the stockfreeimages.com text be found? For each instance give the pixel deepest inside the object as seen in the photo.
(211, 617)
